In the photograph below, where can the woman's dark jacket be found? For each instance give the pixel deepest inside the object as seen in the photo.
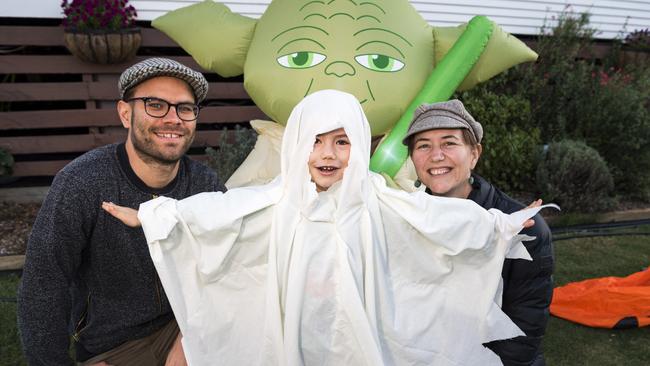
(528, 286)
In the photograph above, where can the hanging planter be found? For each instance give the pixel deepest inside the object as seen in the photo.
(103, 46)
(100, 31)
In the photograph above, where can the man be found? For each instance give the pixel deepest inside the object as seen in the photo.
(444, 143)
(88, 276)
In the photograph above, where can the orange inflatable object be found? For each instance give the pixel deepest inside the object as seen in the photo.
(608, 302)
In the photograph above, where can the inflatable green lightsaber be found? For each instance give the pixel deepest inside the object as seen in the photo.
(439, 86)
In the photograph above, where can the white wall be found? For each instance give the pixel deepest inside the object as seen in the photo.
(518, 17)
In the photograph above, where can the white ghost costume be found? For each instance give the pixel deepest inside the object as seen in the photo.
(360, 274)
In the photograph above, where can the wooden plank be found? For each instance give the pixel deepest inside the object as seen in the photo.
(108, 117)
(597, 50)
(38, 168)
(53, 36)
(58, 118)
(31, 36)
(229, 114)
(58, 143)
(82, 143)
(100, 90)
(51, 167)
(68, 64)
(154, 38)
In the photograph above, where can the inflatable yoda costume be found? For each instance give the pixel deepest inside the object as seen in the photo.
(380, 51)
(360, 274)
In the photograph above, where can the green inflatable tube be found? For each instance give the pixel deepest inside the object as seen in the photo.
(439, 86)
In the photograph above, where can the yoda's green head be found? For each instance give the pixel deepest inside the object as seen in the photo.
(381, 51)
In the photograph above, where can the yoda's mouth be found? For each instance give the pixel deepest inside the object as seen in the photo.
(372, 96)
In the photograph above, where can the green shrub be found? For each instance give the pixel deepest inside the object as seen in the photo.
(596, 101)
(616, 122)
(576, 177)
(510, 141)
(639, 39)
(234, 147)
(556, 78)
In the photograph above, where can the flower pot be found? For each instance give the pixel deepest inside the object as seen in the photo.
(103, 46)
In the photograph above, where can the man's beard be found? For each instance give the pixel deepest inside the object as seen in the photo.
(147, 149)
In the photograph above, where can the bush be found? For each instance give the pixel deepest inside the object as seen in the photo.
(234, 147)
(510, 141)
(576, 177)
(596, 101)
(557, 79)
(639, 39)
(616, 122)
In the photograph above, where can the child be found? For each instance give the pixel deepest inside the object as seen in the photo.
(328, 266)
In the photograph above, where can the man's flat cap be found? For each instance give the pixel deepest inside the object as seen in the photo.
(158, 66)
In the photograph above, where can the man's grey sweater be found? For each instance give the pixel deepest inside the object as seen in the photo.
(88, 275)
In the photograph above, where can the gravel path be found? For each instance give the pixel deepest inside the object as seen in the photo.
(16, 221)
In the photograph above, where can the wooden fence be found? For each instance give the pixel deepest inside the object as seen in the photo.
(54, 107)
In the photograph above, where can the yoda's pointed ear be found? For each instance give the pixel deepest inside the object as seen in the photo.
(215, 37)
(503, 51)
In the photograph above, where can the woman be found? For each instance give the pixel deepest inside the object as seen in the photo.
(326, 265)
(444, 144)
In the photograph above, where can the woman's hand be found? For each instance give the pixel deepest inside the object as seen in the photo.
(127, 215)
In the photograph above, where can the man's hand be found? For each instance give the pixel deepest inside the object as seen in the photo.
(127, 215)
(176, 356)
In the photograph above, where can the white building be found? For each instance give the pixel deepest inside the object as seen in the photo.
(609, 17)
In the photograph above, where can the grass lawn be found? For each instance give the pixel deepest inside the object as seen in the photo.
(568, 343)
(10, 352)
(565, 343)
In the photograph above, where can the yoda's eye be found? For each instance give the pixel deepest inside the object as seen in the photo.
(381, 63)
(301, 60)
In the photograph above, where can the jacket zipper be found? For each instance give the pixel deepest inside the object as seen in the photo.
(77, 330)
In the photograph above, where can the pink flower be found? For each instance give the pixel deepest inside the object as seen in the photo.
(98, 14)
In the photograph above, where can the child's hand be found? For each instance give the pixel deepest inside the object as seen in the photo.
(127, 215)
(531, 222)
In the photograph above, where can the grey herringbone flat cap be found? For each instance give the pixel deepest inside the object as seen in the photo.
(449, 114)
(158, 66)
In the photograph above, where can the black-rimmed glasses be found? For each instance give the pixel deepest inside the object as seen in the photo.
(158, 108)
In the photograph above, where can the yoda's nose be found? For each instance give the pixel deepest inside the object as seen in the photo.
(340, 69)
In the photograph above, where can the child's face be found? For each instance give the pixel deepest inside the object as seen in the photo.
(329, 158)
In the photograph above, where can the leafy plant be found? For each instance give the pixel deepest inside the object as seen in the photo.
(510, 141)
(234, 146)
(639, 39)
(576, 177)
(574, 96)
(98, 14)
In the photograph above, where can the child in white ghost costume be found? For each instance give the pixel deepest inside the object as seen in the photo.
(360, 274)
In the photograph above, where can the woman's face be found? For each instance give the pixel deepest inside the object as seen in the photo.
(329, 158)
(444, 160)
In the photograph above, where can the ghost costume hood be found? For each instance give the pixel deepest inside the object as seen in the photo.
(360, 274)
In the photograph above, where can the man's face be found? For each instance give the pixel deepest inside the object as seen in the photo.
(161, 140)
(330, 157)
(380, 51)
